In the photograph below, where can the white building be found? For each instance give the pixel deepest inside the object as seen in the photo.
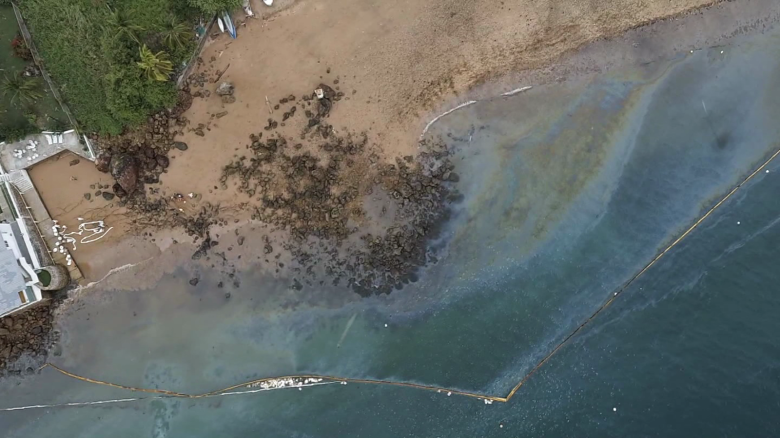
(19, 283)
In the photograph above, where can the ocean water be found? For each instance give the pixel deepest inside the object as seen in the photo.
(569, 189)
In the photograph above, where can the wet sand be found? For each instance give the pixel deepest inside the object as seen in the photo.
(62, 188)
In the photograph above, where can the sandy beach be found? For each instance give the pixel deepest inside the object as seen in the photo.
(397, 72)
(398, 65)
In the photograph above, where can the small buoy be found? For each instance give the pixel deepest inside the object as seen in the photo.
(721, 52)
(614, 409)
(738, 222)
(81, 218)
(449, 394)
(300, 389)
(501, 425)
(767, 171)
(385, 325)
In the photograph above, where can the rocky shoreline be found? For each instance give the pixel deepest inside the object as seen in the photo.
(351, 215)
(319, 186)
(27, 338)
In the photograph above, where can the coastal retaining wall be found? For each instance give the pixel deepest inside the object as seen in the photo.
(191, 63)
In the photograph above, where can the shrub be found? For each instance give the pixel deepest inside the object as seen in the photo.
(155, 66)
(92, 48)
(211, 7)
(14, 133)
(22, 90)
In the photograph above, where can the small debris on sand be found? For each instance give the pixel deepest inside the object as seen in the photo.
(225, 89)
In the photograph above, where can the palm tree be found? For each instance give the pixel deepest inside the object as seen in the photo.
(124, 26)
(23, 90)
(155, 66)
(175, 34)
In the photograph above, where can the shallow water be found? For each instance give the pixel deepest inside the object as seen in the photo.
(569, 190)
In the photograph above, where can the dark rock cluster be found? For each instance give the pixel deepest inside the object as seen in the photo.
(25, 339)
(390, 257)
(133, 160)
(137, 158)
(140, 156)
(320, 192)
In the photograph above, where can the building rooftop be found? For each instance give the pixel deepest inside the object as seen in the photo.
(11, 281)
(18, 280)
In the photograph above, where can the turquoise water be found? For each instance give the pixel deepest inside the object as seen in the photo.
(569, 190)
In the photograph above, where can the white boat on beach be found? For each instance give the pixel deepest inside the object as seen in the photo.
(229, 26)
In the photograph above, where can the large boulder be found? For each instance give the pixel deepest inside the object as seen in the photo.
(124, 169)
(103, 162)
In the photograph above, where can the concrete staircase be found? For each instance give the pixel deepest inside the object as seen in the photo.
(20, 180)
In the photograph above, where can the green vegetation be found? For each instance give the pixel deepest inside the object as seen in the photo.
(17, 131)
(175, 34)
(114, 60)
(26, 104)
(155, 66)
(21, 90)
(211, 7)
